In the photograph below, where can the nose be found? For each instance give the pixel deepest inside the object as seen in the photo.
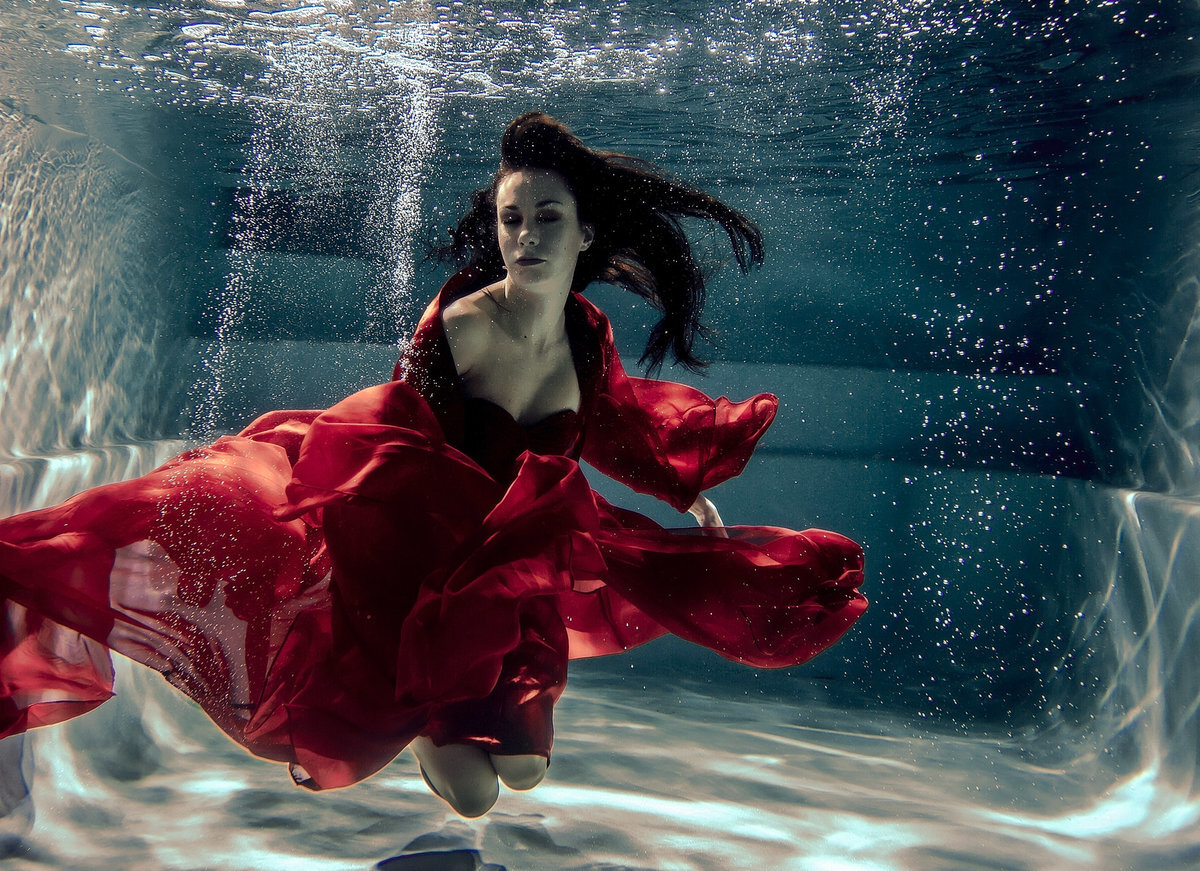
(528, 235)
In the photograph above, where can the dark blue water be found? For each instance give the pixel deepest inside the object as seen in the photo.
(977, 310)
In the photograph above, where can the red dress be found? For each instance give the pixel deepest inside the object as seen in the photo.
(330, 585)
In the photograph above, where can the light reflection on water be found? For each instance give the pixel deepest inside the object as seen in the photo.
(650, 776)
(942, 187)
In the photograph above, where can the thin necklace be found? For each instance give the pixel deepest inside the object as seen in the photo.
(497, 302)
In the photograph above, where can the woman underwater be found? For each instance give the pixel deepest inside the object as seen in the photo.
(415, 565)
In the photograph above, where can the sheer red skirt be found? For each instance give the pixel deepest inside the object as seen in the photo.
(329, 586)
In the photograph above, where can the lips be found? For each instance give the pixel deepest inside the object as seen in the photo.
(529, 261)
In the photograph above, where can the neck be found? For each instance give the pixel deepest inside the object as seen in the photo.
(536, 317)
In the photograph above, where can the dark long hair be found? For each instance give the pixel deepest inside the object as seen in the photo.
(635, 209)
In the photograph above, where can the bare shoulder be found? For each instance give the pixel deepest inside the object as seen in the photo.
(467, 323)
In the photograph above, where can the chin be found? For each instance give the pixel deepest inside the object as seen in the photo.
(528, 276)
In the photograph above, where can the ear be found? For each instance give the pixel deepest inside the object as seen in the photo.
(589, 234)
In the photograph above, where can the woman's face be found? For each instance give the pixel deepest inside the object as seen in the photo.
(537, 223)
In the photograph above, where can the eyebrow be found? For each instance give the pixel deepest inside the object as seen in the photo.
(539, 205)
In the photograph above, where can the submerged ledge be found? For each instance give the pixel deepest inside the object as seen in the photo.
(1002, 422)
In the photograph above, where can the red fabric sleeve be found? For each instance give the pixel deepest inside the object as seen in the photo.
(669, 440)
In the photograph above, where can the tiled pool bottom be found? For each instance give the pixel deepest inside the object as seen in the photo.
(645, 775)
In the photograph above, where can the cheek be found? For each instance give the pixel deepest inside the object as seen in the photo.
(563, 237)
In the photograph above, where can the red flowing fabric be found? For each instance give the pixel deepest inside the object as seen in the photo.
(330, 585)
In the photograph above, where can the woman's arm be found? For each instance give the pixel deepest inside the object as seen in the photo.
(706, 515)
(705, 512)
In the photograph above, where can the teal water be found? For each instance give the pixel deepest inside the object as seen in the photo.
(977, 310)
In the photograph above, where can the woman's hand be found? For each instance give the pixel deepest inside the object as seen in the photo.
(706, 515)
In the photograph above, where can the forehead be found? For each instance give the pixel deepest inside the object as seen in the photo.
(529, 187)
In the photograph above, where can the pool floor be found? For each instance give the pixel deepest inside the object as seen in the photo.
(646, 775)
